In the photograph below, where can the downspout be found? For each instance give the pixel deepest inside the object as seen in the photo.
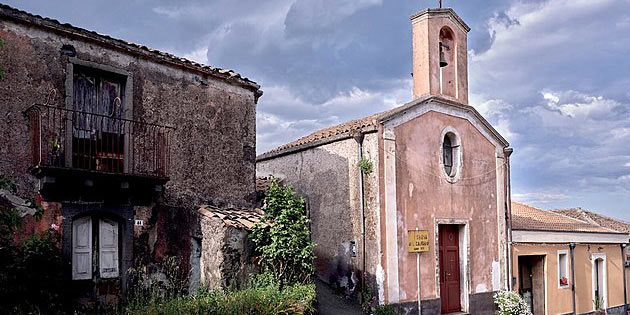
(359, 139)
(572, 249)
(508, 215)
(623, 269)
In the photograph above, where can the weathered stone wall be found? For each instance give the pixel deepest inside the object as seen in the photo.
(226, 255)
(328, 176)
(212, 147)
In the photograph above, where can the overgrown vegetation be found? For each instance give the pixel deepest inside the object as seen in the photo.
(366, 165)
(263, 296)
(31, 278)
(510, 303)
(283, 236)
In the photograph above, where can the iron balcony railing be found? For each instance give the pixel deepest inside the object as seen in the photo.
(66, 138)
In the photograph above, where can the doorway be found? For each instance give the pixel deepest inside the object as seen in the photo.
(600, 300)
(532, 282)
(449, 268)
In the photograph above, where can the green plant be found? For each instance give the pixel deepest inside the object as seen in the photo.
(264, 299)
(598, 303)
(365, 165)
(386, 310)
(7, 184)
(510, 303)
(282, 238)
(55, 146)
(146, 287)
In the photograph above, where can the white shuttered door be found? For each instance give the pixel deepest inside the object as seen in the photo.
(82, 249)
(108, 248)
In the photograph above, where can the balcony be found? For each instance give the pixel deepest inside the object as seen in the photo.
(76, 142)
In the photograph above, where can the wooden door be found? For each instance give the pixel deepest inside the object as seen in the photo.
(449, 268)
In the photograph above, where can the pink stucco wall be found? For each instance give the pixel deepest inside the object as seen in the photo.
(424, 196)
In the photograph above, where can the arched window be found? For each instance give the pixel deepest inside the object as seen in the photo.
(450, 159)
(447, 150)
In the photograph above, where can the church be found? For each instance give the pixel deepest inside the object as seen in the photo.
(410, 206)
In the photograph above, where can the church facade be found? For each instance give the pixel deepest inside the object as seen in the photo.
(433, 168)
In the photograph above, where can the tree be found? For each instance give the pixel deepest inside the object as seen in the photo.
(283, 237)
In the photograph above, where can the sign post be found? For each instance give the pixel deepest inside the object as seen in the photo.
(418, 243)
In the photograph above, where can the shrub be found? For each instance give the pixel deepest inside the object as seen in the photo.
(283, 236)
(510, 303)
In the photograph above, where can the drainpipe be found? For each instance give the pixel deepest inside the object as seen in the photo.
(359, 139)
(508, 215)
(572, 249)
(623, 269)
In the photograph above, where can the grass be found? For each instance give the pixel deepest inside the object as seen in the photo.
(264, 300)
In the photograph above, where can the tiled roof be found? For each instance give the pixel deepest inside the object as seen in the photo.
(596, 218)
(240, 218)
(526, 217)
(327, 135)
(8, 12)
(367, 124)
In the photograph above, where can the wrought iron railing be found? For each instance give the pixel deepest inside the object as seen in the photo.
(65, 138)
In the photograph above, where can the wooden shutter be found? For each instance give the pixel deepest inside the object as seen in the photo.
(82, 249)
(108, 248)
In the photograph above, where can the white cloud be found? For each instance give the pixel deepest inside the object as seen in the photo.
(284, 117)
(540, 197)
(199, 55)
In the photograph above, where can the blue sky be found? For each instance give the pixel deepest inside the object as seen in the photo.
(552, 76)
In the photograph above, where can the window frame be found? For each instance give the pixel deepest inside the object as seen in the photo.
(107, 71)
(566, 263)
(96, 247)
(456, 155)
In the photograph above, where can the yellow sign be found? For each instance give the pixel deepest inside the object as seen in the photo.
(418, 241)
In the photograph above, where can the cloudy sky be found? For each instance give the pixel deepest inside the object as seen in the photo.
(552, 76)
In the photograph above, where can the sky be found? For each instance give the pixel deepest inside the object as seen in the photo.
(553, 77)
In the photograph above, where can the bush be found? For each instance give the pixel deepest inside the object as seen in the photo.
(510, 303)
(283, 236)
(265, 300)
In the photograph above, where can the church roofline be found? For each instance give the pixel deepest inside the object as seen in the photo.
(441, 11)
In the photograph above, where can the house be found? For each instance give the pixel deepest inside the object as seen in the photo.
(121, 145)
(563, 265)
(375, 185)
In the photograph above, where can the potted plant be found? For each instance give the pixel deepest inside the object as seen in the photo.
(564, 281)
(598, 302)
(55, 149)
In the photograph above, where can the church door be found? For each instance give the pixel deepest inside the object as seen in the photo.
(449, 268)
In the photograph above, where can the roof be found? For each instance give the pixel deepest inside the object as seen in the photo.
(366, 124)
(526, 217)
(596, 218)
(10, 13)
(239, 218)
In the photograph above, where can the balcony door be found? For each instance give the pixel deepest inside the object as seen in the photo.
(98, 130)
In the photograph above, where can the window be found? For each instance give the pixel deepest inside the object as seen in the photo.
(85, 237)
(600, 296)
(98, 133)
(451, 155)
(447, 149)
(563, 268)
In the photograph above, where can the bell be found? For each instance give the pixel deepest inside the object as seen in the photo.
(443, 62)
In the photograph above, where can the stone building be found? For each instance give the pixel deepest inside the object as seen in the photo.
(436, 165)
(120, 144)
(563, 265)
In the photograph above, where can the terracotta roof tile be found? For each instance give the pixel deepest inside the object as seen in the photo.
(526, 217)
(16, 14)
(239, 218)
(366, 124)
(596, 218)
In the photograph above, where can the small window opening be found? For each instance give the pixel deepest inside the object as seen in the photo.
(447, 149)
(563, 266)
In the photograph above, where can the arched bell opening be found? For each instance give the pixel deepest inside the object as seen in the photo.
(447, 64)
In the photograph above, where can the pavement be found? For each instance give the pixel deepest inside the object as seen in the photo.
(329, 303)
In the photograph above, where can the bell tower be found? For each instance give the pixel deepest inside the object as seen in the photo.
(440, 63)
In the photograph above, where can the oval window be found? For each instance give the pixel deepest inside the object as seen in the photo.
(451, 155)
